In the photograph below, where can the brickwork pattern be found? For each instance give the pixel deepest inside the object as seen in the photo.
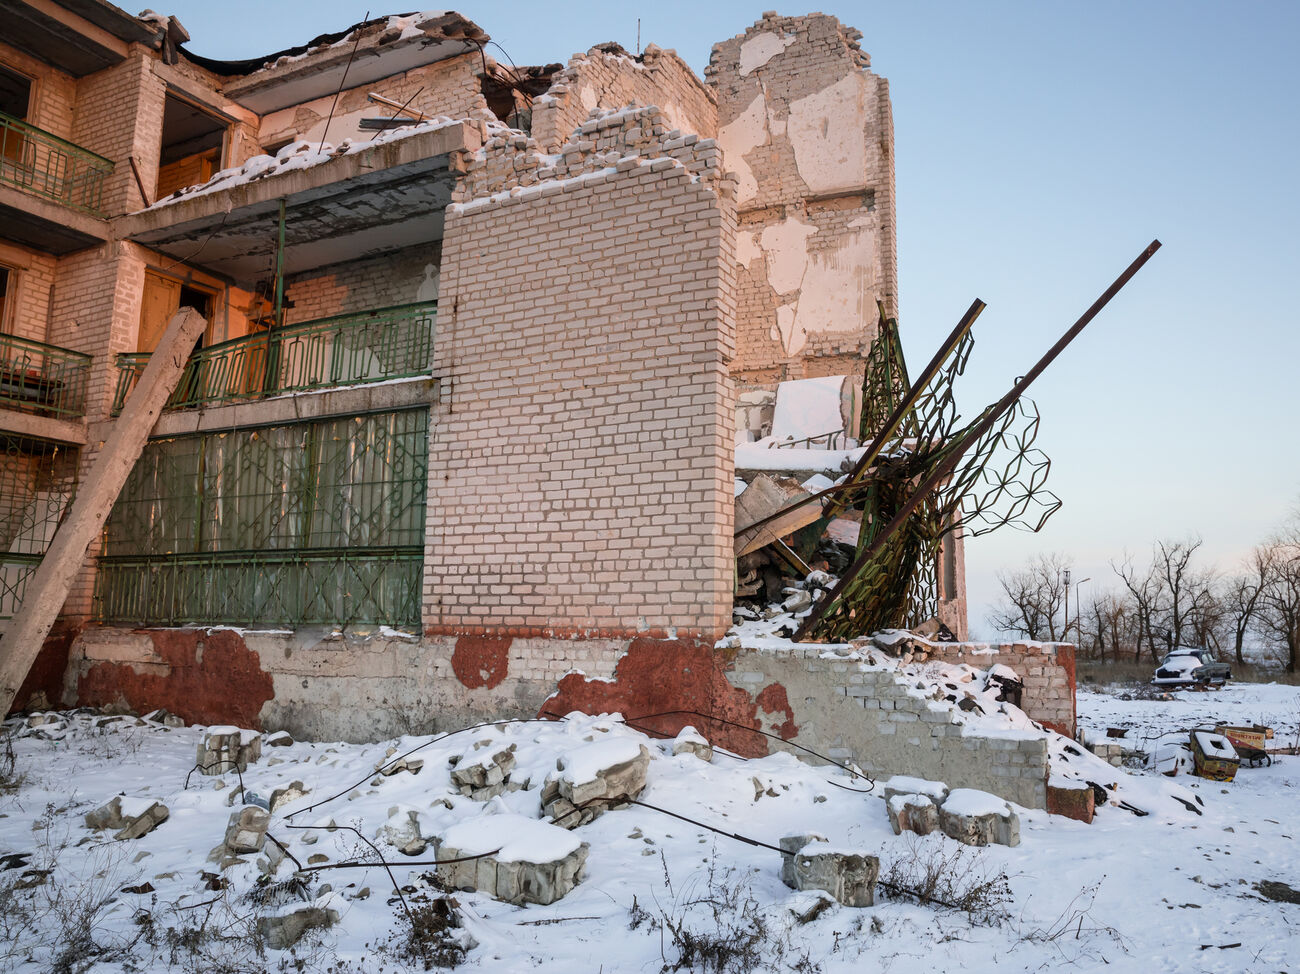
(1047, 670)
(510, 160)
(53, 99)
(604, 80)
(811, 68)
(31, 289)
(451, 88)
(378, 282)
(581, 463)
(853, 711)
(119, 116)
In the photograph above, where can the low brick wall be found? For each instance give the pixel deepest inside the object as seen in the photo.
(874, 717)
(1047, 670)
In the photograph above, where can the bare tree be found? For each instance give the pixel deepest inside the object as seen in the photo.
(1279, 603)
(1148, 600)
(1171, 561)
(1032, 598)
(1241, 597)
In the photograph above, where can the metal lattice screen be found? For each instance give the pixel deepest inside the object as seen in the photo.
(318, 523)
(38, 479)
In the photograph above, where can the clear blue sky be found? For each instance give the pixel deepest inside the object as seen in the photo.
(1039, 147)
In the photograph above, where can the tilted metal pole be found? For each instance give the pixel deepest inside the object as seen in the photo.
(969, 439)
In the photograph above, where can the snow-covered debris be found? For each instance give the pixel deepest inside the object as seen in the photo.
(978, 818)
(225, 749)
(512, 858)
(130, 817)
(691, 741)
(588, 779)
(810, 862)
(483, 771)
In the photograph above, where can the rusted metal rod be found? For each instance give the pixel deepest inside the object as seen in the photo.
(969, 439)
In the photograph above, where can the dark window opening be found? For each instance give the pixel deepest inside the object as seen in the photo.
(192, 143)
(15, 94)
(4, 299)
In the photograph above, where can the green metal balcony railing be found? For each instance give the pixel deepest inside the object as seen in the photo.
(42, 379)
(346, 350)
(45, 165)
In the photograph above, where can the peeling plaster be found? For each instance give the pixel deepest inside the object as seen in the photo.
(827, 133)
(785, 245)
(747, 249)
(746, 132)
(588, 97)
(761, 48)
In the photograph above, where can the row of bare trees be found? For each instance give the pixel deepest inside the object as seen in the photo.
(1170, 600)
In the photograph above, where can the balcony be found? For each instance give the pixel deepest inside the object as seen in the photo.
(41, 379)
(45, 165)
(329, 353)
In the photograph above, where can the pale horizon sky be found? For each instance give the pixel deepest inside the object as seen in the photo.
(1039, 148)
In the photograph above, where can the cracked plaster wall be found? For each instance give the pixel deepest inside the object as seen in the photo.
(807, 129)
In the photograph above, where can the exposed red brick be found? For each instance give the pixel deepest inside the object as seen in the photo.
(774, 700)
(211, 678)
(658, 676)
(1065, 659)
(1075, 803)
(46, 674)
(481, 661)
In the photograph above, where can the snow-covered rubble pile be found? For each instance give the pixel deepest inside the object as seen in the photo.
(636, 861)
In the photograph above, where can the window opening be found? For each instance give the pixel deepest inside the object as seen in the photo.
(192, 144)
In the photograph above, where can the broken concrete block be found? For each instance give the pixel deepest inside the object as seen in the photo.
(388, 769)
(484, 771)
(690, 741)
(226, 749)
(912, 813)
(590, 778)
(848, 876)
(246, 831)
(290, 793)
(764, 497)
(130, 817)
(279, 739)
(901, 784)
(791, 844)
(512, 858)
(797, 601)
(978, 818)
(402, 830)
(282, 931)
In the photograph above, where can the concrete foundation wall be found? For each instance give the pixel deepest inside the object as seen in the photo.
(808, 130)
(357, 688)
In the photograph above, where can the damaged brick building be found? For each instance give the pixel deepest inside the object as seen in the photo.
(461, 425)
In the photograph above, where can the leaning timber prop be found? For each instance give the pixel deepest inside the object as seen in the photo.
(934, 478)
(59, 568)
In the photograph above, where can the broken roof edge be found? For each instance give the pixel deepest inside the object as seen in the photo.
(437, 24)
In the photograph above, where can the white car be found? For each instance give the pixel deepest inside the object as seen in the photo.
(1189, 665)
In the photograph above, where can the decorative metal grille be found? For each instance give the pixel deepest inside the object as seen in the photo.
(370, 346)
(45, 165)
(38, 479)
(42, 379)
(318, 523)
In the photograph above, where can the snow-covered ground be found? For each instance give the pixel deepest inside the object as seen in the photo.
(1172, 891)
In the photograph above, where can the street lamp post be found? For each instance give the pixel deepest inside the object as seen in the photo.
(1065, 627)
(1078, 605)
